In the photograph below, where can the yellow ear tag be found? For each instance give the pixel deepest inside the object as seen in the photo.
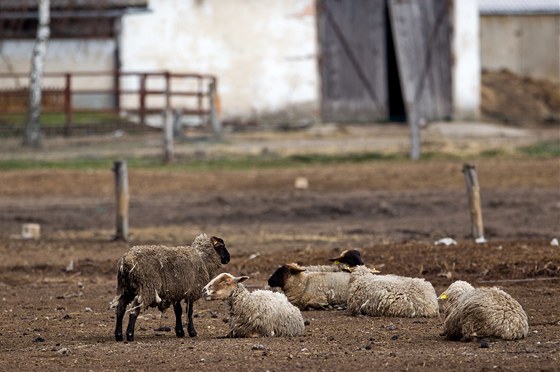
(336, 262)
(443, 296)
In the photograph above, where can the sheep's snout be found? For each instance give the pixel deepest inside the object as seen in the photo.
(207, 293)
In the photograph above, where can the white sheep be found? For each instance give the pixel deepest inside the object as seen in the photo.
(311, 290)
(390, 295)
(260, 313)
(159, 276)
(482, 312)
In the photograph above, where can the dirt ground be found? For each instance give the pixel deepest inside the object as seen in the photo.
(54, 319)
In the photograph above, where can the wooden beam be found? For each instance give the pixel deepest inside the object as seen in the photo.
(121, 190)
(168, 137)
(473, 193)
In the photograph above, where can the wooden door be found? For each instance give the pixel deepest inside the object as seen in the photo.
(422, 36)
(352, 60)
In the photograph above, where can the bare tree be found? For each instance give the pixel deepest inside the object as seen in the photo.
(32, 129)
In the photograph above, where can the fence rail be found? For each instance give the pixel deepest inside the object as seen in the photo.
(81, 101)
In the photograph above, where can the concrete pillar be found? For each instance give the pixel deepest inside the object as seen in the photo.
(465, 48)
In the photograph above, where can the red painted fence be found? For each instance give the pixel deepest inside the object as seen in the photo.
(137, 100)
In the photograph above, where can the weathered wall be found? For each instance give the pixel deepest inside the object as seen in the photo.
(465, 48)
(528, 45)
(263, 52)
(62, 56)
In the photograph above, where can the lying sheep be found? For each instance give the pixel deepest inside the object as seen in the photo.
(390, 295)
(482, 312)
(346, 259)
(253, 314)
(311, 290)
(159, 276)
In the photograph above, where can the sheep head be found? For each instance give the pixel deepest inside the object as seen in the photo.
(450, 296)
(350, 257)
(221, 249)
(283, 274)
(222, 286)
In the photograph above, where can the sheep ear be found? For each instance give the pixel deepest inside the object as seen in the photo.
(240, 279)
(216, 241)
(295, 268)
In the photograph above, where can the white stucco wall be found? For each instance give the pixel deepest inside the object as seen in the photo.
(62, 56)
(262, 51)
(465, 49)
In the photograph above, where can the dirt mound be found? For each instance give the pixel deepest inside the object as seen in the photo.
(520, 101)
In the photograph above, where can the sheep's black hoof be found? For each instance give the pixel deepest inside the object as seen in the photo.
(130, 336)
(192, 333)
(180, 333)
(119, 337)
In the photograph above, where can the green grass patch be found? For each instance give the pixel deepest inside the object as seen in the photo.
(543, 149)
(342, 158)
(492, 153)
(55, 120)
(244, 162)
(203, 164)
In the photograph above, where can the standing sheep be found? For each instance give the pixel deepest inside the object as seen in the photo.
(159, 276)
(311, 290)
(482, 312)
(390, 295)
(253, 314)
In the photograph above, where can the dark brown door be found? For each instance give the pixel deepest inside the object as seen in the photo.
(352, 60)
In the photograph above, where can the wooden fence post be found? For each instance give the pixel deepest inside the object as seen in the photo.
(121, 188)
(68, 104)
(168, 137)
(167, 122)
(142, 96)
(214, 108)
(473, 192)
(414, 125)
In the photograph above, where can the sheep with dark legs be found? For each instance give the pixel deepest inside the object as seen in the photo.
(160, 276)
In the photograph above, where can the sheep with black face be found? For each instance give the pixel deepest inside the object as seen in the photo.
(160, 276)
(309, 289)
(317, 287)
(348, 258)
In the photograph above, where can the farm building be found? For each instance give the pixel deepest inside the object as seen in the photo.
(297, 60)
(522, 36)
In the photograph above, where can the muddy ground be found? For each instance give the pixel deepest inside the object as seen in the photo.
(53, 319)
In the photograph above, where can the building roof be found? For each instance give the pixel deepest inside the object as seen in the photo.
(19, 5)
(504, 7)
(21, 9)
